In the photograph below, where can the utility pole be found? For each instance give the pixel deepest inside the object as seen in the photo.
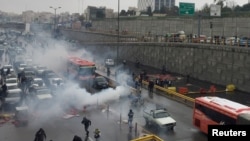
(118, 32)
(55, 16)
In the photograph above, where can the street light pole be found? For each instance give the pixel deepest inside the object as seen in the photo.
(55, 15)
(118, 32)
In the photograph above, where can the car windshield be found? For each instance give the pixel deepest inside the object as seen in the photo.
(29, 73)
(23, 65)
(86, 70)
(43, 91)
(11, 81)
(57, 81)
(12, 87)
(162, 115)
(51, 75)
(7, 66)
(41, 68)
(13, 95)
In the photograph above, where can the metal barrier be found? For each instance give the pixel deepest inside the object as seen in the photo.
(171, 93)
(186, 99)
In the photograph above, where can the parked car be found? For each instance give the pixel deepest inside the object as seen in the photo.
(232, 40)
(201, 39)
(100, 82)
(244, 41)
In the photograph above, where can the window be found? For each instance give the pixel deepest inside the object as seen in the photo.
(215, 115)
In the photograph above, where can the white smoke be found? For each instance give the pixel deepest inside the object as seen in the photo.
(71, 95)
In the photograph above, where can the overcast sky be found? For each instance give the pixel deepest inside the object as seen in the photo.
(78, 6)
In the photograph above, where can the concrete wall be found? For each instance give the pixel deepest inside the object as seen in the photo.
(214, 63)
(141, 26)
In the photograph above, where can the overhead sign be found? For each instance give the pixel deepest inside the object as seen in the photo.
(215, 10)
(186, 8)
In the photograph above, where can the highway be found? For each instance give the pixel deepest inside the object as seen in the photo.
(107, 112)
(110, 117)
(108, 121)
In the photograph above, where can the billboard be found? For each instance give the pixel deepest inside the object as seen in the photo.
(215, 10)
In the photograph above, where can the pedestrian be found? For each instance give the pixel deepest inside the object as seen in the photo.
(40, 135)
(130, 117)
(124, 62)
(86, 122)
(164, 70)
(97, 134)
(150, 86)
(108, 71)
(8, 72)
(4, 90)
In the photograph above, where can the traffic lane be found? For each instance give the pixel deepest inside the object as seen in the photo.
(59, 129)
(181, 113)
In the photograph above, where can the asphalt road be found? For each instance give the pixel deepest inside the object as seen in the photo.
(112, 123)
(110, 118)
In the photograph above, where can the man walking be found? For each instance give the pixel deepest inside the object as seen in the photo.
(130, 118)
(86, 122)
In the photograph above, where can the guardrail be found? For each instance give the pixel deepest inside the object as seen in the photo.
(158, 89)
(167, 92)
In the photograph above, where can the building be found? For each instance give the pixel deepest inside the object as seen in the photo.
(95, 12)
(155, 4)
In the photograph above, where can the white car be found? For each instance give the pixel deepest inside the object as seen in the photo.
(13, 93)
(109, 62)
(160, 118)
(37, 81)
(232, 41)
(11, 80)
(6, 67)
(21, 67)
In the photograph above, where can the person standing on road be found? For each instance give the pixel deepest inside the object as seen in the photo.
(86, 122)
(108, 71)
(130, 117)
(150, 86)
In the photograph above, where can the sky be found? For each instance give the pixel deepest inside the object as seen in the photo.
(78, 6)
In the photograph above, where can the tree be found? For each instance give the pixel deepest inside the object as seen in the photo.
(206, 9)
(123, 13)
(246, 7)
(163, 10)
(131, 12)
(81, 19)
(220, 2)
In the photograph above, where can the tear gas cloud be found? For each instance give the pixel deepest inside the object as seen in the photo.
(71, 95)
